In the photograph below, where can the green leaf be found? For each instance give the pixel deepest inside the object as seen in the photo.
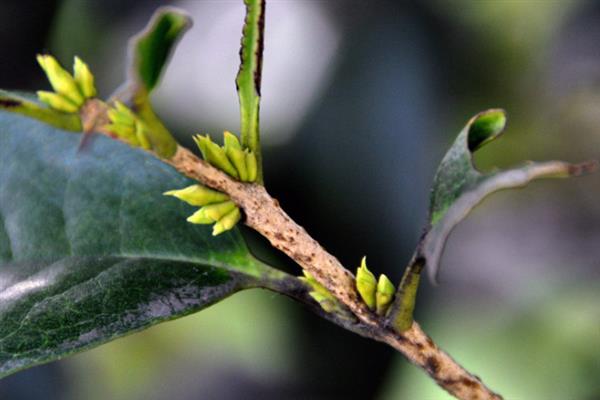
(151, 48)
(90, 249)
(458, 186)
(249, 77)
(149, 52)
(21, 104)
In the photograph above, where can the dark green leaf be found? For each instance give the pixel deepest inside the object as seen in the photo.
(151, 48)
(91, 250)
(458, 186)
(149, 52)
(249, 77)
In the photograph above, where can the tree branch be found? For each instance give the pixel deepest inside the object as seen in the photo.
(264, 215)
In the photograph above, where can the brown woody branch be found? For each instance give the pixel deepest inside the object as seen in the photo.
(264, 215)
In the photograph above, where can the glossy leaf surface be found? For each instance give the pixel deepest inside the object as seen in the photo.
(91, 250)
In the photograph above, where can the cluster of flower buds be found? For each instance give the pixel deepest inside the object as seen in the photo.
(231, 158)
(70, 91)
(377, 294)
(216, 207)
(127, 126)
(321, 295)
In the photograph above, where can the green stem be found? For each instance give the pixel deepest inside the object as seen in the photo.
(249, 78)
(401, 317)
(161, 139)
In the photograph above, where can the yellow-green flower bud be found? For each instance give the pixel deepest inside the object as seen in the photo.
(57, 101)
(327, 303)
(200, 217)
(140, 133)
(366, 284)
(123, 132)
(84, 78)
(231, 141)
(384, 295)
(251, 166)
(62, 82)
(125, 111)
(238, 159)
(218, 210)
(215, 155)
(198, 195)
(227, 222)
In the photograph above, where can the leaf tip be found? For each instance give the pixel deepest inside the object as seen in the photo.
(485, 127)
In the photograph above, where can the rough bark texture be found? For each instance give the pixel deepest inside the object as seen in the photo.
(264, 215)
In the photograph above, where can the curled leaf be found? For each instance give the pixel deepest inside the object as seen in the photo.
(458, 185)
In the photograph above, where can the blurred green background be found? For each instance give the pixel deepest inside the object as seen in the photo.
(360, 101)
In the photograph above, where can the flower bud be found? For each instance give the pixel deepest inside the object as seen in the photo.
(238, 159)
(123, 132)
(200, 217)
(84, 78)
(62, 82)
(218, 210)
(57, 101)
(140, 133)
(384, 295)
(366, 284)
(198, 195)
(215, 155)
(231, 141)
(120, 114)
(227, 222)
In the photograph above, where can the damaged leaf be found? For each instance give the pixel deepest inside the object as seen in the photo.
(458, 186)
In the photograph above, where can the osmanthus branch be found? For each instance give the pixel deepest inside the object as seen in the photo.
(264, 214)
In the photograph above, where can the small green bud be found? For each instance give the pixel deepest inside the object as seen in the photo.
(120, 115)
(62, 82)
(227, 222)
(366, 284)
(84, 78)
(198, 195)
(251, 166)
(140, 133)
(125, 111)
(238, 159)
(57, 101)
(218, 210)
(384, 295)
(326, 302)
(200, 217)
(215, 155)
(231, 141)
(123, 132)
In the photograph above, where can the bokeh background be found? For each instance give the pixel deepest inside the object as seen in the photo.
(360, 101)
